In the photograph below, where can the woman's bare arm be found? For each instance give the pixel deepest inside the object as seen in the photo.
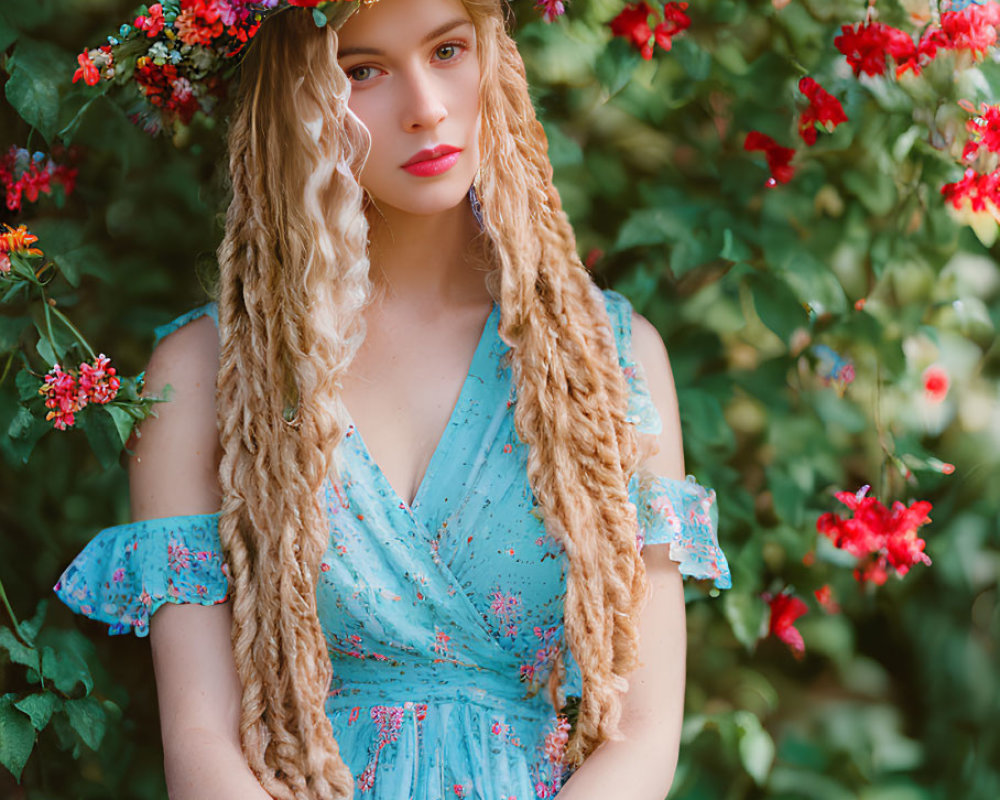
(642, 766)
(173, 472)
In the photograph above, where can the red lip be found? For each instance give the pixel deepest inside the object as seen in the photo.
(433, 152)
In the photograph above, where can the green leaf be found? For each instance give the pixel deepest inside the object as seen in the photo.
(67, 670)
(18, 652)
(650, 226)
(615, 65)
(37, 71)
(88, 719)
(39, 707)
(777, 306)
(746, 615)
(24, 431)
(27, 386)
(8, 33)
(756, 747)
(124, 421)
(10, 331)
(17, 736)
(102, 433)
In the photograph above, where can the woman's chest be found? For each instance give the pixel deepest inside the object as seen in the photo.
(467, 575)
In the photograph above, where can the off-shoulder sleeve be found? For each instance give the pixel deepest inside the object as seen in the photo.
(685, 515)
(126, 572)
(641, 411)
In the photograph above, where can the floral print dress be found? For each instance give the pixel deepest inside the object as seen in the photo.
(442, 617)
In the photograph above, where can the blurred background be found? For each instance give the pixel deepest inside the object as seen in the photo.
(830, 316)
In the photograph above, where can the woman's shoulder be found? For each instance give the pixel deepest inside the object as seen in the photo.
(209, 310)
(176, 451)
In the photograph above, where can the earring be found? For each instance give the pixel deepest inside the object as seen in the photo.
(477, 208)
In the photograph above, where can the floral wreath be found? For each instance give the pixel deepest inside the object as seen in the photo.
(178, 56)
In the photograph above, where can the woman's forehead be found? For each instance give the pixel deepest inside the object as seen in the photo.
(400, 22)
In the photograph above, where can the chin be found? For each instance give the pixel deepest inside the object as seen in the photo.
(425, 201)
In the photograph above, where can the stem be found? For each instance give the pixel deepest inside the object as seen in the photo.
(6, 367)
(48, 323)
(13, 616)
(72, 327)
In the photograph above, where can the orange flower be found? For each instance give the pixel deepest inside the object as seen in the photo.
(16, 240)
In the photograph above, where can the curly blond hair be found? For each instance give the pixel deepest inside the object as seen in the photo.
(293, 282)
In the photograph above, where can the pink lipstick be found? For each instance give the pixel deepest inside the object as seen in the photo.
(433, 161)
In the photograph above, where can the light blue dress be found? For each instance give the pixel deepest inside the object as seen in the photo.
(442, 618)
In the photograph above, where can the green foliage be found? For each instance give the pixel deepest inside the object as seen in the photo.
(897, 692)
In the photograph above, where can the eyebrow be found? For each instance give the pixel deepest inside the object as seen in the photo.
(434, 34)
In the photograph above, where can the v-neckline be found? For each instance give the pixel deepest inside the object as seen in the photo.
(438, 453)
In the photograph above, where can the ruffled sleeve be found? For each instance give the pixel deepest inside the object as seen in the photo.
(641, 411)
(126, 572)
(683, 514)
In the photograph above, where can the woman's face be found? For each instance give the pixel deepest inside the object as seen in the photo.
(414, 73)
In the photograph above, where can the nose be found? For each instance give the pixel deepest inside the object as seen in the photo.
(424, 105)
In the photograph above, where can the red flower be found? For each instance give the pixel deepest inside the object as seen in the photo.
(152, 24)
(880, 537)
(674, 21)
(974, 28)
(824, 596)
(865, 46)
(778, 157)
(935, 383)
(785, 609)
(984, 127)
(632, 23)
(87, 70)
(98, 381)
(981, 193)
(823, 108)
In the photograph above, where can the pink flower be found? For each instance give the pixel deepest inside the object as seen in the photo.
(550, 9)
(935, 383)
(63, 396)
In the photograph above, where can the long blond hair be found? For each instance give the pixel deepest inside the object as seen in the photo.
(293, 282)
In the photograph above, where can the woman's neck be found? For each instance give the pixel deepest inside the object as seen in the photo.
(428, 260)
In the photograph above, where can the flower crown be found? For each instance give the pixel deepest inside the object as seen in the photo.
(177, 57)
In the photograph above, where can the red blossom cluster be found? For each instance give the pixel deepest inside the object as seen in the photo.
(165, 88)
(823, 108)
(975, 198)
(880, 537)
(866, 45)
(24, 175)
(633, 24)
(550, 9)
(67, 393)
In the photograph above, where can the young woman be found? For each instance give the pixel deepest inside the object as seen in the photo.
(388, 522)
